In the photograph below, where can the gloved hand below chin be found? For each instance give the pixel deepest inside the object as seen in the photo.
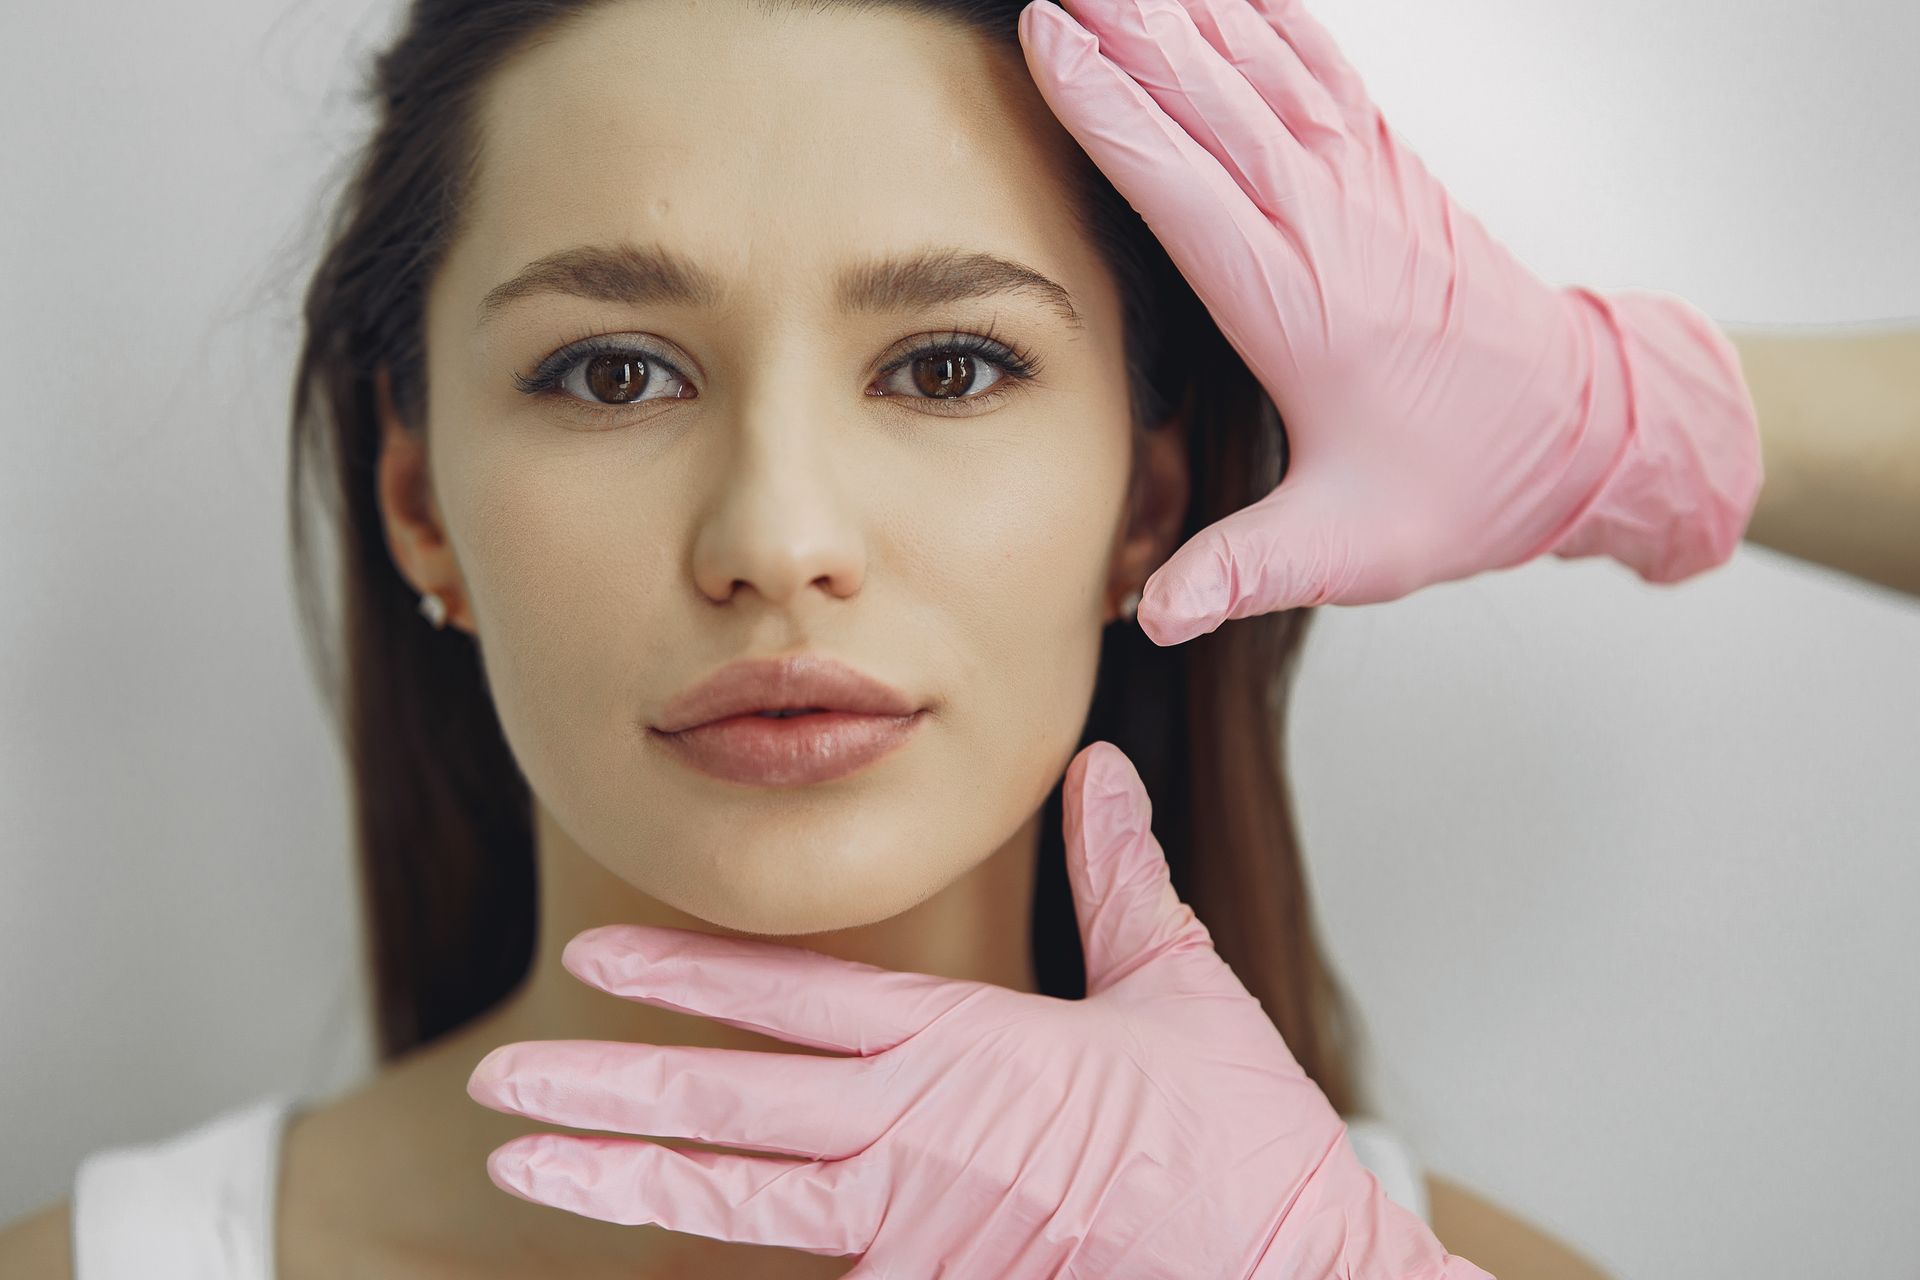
(1447, 411)
(1158, 1129)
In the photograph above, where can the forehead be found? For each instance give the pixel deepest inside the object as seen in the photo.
(772, 147)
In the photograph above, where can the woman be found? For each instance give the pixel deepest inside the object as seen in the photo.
(974, 568)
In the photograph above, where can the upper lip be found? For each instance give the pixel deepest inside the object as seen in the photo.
(776, 684)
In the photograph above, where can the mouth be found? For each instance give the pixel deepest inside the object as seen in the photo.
(790, 747)
(787, 721)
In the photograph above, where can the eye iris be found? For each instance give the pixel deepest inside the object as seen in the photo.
(946, 381)
(628, 377)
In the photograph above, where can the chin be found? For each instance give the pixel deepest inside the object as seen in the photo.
(793, 894)
(818, 866)
(777, 919)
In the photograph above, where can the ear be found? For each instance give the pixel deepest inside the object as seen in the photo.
(416, 535)
(1156, 506)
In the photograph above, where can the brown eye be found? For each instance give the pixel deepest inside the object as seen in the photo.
(612, 377)
(945, 375)
(601, 377)
(957, 373)
(615, 379)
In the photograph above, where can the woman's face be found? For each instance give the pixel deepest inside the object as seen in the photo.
(761, 486)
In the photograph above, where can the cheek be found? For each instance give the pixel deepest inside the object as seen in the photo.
(1017, 576)
(1020, 560)
(564, 570)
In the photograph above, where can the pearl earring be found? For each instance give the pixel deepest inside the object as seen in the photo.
(1130, 605)
(433, 609)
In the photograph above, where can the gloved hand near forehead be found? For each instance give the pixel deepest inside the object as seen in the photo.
(1447, 411)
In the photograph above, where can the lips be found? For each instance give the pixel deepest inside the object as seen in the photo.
(828, 720)
(793, 683)
(796, 751)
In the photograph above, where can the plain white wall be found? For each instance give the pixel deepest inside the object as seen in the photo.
(1622, 877)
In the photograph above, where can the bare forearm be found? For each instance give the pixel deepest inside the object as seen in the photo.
(1839, 417)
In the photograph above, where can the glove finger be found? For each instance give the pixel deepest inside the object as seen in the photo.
(1321, 56)
(1262, 55)
(817, 1207)
(776, 989)
(1289, 550)
(1236, 259)
(1157, 44)
(1123, 892)
(796, 1104)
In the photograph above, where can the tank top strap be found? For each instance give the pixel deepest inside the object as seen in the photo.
(195, 1206)
(1390, 1160)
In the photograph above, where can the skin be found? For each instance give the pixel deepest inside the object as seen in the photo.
(971, 560)
(1840, 443)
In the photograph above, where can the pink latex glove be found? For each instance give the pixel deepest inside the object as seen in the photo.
(1447, 411)
(1158, 1128)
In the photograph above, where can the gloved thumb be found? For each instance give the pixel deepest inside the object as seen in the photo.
(1293, 548)
(1123, 893)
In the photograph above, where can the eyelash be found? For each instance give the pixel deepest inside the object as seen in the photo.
(1017, 366)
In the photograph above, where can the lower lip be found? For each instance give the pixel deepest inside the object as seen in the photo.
(790, 751)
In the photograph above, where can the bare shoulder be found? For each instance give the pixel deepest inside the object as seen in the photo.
(1496, 1241)
(39, 1246)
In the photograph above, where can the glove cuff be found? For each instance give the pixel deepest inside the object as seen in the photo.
(1677, 500)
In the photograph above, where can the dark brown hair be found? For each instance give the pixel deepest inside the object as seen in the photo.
(442, 813)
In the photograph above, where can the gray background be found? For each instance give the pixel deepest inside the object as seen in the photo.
(1623, 877)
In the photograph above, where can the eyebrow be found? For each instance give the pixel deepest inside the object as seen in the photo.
(640, 275)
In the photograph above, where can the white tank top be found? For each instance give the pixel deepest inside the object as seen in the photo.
(200, 1205)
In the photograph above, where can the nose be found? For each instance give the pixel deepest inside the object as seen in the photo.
(782, 520)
